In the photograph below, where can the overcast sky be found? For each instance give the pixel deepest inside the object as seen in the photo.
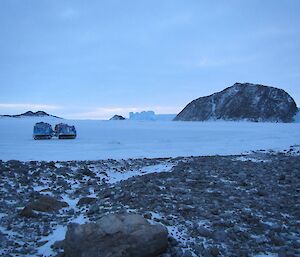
(93, 59)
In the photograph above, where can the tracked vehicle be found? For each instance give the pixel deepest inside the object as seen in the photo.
(42, 130)
(64, 131)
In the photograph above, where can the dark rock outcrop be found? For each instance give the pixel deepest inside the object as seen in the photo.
(242, 101)
(116, 235)
(117, 117)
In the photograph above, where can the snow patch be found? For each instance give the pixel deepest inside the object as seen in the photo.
(245, 159)
(2, 215)
(114, 177)
(177, 233)
(297, 117)
(57, 235)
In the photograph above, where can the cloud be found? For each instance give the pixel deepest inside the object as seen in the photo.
(194, 63)
(28, 106)
(214, 62)
(74, 112)
(102, 113)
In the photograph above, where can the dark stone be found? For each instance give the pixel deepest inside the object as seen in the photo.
(27, 212)
(93, 209)
(86, 201)
(45, 203)
(148, 216)
(87, 172)
(214, 251)
(204, 232)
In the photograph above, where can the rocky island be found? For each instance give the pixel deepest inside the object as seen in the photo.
(242, 101)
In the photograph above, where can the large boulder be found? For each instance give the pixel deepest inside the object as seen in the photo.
(42, 203)
(242, 101)
(116, 235)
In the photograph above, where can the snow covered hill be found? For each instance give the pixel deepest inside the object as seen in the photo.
(31, 114)
(133, 139)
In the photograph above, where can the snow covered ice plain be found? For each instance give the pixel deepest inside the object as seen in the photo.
(137, 139)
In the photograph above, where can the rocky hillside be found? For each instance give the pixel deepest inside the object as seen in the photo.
(242, 101)
(31, 114)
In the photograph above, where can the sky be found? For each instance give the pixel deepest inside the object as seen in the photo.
(93, 59)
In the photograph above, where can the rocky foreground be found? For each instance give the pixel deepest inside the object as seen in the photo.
(211, 206)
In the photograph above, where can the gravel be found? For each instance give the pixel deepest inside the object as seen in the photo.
(212, 206)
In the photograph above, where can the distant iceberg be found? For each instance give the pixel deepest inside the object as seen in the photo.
(150, 116)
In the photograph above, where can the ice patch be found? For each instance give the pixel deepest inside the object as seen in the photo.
(156, 215)
(297, 117)
(177, 233)
(2, 215)
(72, 202)
(40, 188)
(57, 235)
(245, 159)
(114, 177)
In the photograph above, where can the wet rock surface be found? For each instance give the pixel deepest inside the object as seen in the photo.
(211, 206)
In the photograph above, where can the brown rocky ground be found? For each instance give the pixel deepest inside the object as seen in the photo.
(212, 206)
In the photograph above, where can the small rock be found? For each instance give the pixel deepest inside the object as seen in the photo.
(93, 209)
(214, 251)
(27, 212)
(86, 201)
(204, 232)
(148, 216)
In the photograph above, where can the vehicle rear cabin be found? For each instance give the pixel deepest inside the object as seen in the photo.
(64, 131)
(42, 130)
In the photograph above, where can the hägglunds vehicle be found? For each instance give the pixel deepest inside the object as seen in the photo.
(64, 131)
(42, 130)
